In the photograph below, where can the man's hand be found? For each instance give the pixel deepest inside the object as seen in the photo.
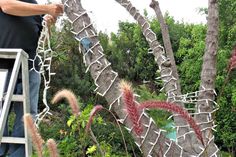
(50, 20)
(55, 10)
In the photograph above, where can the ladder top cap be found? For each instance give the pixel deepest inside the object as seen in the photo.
(14, 52)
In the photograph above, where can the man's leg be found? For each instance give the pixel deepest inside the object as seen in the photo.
(4, 147)
(18, 130)
(34, 83)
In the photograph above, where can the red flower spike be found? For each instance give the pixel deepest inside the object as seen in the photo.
(131, 106)
(232, 61)
(70, 97)
(94, 111)
(52, 148)
(35, 135)
(176, 109)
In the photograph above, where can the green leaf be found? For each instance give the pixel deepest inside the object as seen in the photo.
(83, 124)
(100, 120)
(91, 149)
(70, 121)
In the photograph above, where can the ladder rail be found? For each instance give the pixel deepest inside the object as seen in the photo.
(26, 102)
(10, 90)
(3, 80)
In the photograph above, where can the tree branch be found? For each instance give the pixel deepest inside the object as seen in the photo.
(208, 76)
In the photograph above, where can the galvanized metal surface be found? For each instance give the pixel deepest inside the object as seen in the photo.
(21, 60)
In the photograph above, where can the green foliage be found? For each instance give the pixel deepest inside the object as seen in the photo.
(226, 135)
(69, 67)
(227, 23)
(226, 119)
(74, 139)
(127, 51)
(189, 56)
(146, 94)
(111, 140)
(225, 154)
(91, 150)
(159, 116)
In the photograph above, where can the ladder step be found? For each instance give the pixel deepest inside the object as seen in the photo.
(16, 140)
(18, 98)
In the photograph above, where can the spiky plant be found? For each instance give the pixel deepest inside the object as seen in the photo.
(232, 61)
(70, 97)
(152, 104)
(133, 110)
(231, 66)
(131, 106)
(94, 111)
(33, 131)
(52, 147)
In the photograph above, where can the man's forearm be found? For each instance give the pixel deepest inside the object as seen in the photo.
(19, 8)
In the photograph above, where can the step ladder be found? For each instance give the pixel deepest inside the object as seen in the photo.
(20, 60)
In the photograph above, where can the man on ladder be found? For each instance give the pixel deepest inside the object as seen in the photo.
(20, 26)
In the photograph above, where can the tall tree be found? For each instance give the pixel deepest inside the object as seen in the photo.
(152, 141)
(208, 75)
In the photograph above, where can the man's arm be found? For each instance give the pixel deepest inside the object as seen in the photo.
(18, 8)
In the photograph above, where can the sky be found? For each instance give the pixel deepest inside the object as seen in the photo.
(106, 14)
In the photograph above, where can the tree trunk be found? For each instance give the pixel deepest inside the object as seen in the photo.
(211, 48)
(167, 43)
(152, 142)
(168, 70)
(205, 107)
(169, 52)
